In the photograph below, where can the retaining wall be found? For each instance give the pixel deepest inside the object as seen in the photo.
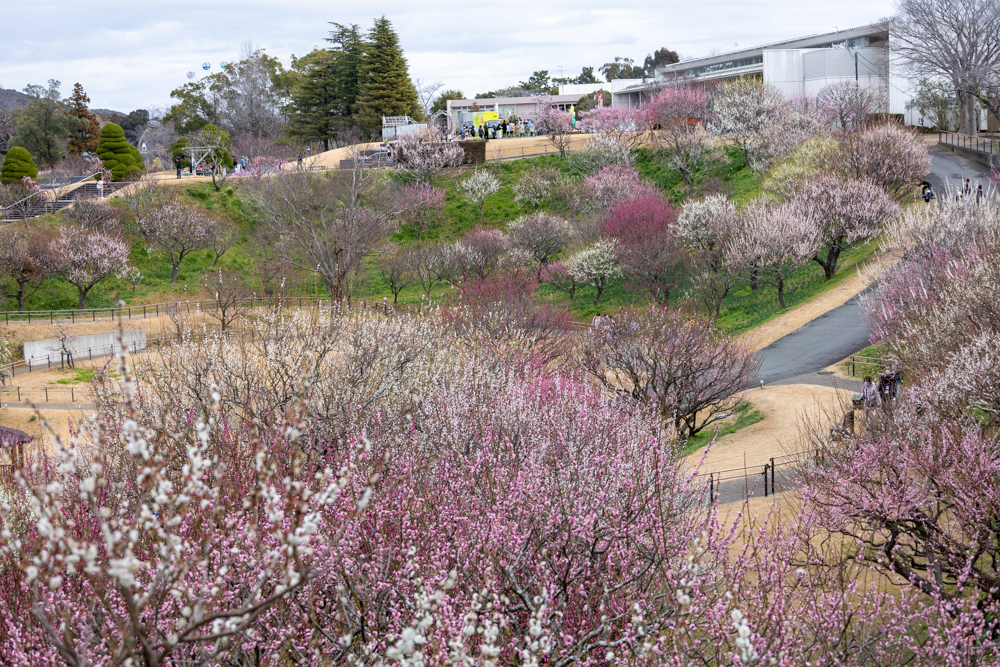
(82, 347)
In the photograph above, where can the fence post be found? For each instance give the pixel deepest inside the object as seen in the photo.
(765, 480)
(772, 476)
(711, 485)
(72, 395)
(46, 394)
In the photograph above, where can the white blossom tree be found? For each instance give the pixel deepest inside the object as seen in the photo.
(85, 257)
(478, 187)
(597, 266)
(743, 109)
(423, 157)
(772, 242)
(541, 235)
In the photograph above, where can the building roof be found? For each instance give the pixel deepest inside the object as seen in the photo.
(512, 100)
(810, 41)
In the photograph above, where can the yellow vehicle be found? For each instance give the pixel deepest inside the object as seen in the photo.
(484, 117)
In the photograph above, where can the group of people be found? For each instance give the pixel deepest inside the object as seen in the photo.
(968, 195)
(505, 128)
(878, 395)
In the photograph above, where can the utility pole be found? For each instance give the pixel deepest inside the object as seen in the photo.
(855, 65)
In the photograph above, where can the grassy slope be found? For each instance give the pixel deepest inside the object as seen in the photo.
(745, 413)
(741, 311)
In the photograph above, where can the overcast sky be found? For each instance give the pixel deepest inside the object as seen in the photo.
(132, 56)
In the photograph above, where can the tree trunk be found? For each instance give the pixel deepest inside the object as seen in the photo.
(781, 292)
(597, 297)
(753, 280)
(83, 297)
(829, 264)
(966, 112)
(173, 276)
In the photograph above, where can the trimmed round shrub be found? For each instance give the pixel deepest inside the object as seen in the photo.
(114, 152)
(17, 165)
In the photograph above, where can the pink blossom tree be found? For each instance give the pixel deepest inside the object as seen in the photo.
(420, 206)
(423, 157)
(25, 261)
(649, 250)
(680, 365)
(479, 252)
(613, 184)
(86, 257)
(772, 242)
(847, 212)
(554, 123)
(177, 230)
(627, 128)
(681, 113)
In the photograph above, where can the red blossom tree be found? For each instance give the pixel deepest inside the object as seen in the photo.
(649, 250)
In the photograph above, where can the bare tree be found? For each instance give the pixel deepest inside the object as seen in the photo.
(224, 236)
(427, 93)
(251, 98)
(541, 235)
(955, 40)
(229, 293)
(8, 126)
(432, 264)
(24, 261)
(329, 222)
(394, 266)
(177, 230)
(850, 106)
(95, 214)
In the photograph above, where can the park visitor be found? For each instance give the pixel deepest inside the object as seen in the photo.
(927, 192)
(869, 395)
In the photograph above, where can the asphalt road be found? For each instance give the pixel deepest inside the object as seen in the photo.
(950, 168)
(831, 337)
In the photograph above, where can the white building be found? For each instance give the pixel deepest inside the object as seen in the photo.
(612, 86)
(800, 67)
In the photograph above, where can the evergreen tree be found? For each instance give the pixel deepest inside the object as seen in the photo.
(17, 165)
(348, 70)
(386, 88)
(117, 155)
(43, 123)
(134, 124)
(83, 134)
(314, 97)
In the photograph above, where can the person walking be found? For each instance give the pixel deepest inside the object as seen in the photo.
(177, 162)
(979, 195)
(870, 397)
(300, 161)
(100, 187)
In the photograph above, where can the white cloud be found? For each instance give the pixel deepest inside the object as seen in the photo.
(130, 57)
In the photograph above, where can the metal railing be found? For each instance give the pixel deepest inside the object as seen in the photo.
(988, 146)
(765, 472)
(15, 368)
(23, 393)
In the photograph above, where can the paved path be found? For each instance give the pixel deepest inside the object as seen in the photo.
(824, 341)
(953, 168)
(800, 356)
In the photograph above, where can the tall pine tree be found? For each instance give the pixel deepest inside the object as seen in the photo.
(85, 133)
(386, 89)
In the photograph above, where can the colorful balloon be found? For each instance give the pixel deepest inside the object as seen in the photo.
(206, 66)
(190, 75)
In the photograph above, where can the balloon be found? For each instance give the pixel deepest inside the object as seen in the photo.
(206, 66)
(190, 75)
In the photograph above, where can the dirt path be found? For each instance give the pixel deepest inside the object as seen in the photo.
(788, 409)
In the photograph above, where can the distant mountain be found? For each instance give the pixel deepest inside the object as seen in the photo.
(11, 99)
